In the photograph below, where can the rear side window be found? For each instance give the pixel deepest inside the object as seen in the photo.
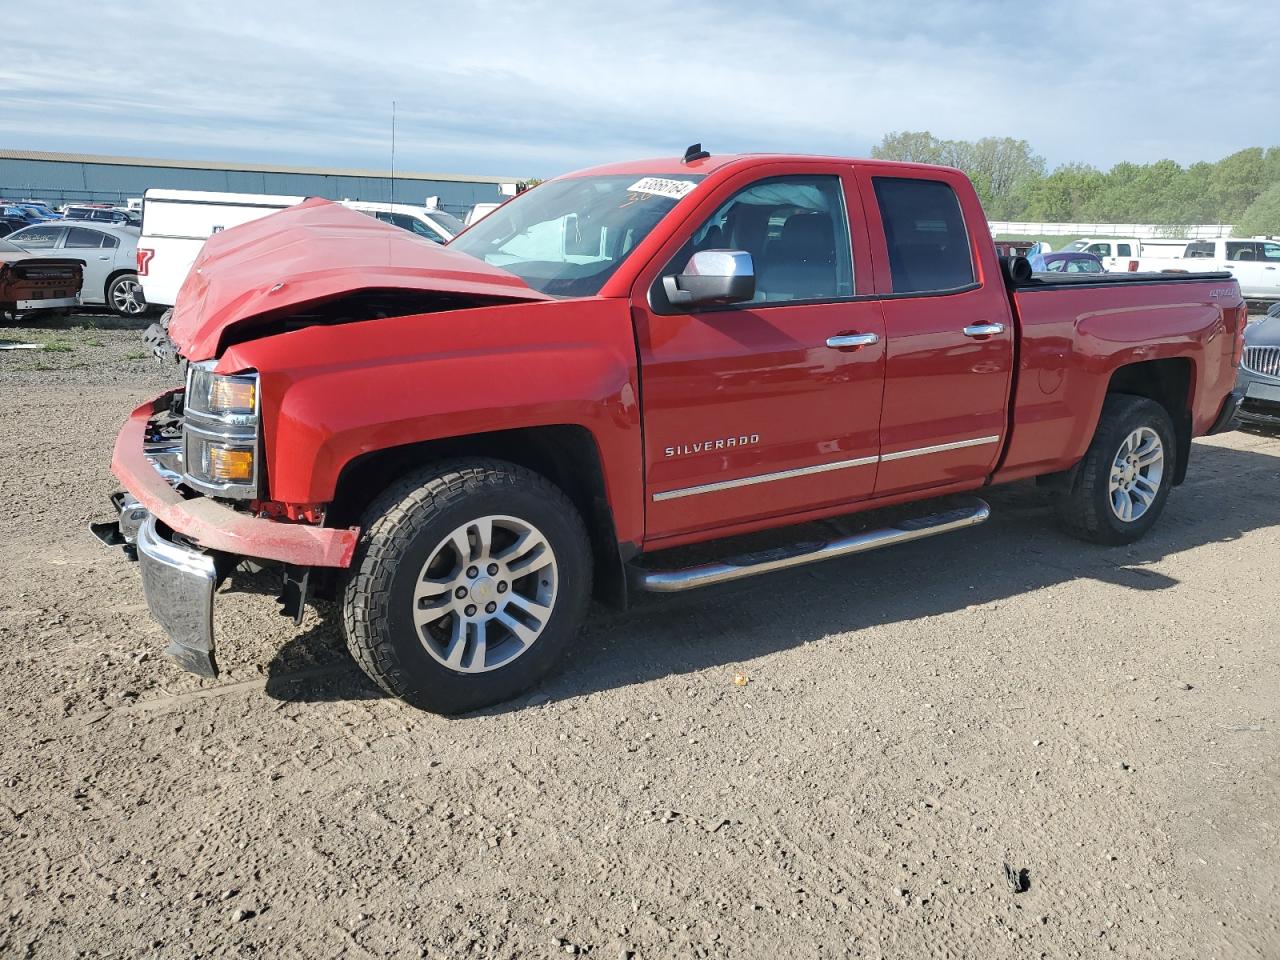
(1241, 251)
(1124, 250)
(80, 237)
(1199, 251)
(924, 228)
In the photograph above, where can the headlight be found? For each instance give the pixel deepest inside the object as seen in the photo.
(220, 432)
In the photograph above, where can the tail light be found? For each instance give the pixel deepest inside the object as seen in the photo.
(144, 260)
(1133, 266)
(1242, 321)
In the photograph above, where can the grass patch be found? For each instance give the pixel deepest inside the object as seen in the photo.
(57, 346)
(137, 355)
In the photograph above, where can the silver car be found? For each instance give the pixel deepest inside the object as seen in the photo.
(1260, 371)
(109, 252)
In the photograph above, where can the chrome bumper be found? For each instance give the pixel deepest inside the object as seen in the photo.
(178, 582)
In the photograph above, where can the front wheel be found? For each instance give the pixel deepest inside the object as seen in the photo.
(124, 296)
(470, 582)
(1126, 474)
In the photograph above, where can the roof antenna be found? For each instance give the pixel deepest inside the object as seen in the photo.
(393, 151)
(695, 152)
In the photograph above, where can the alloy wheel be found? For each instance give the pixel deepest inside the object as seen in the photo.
(485, 594)
(1136, 474)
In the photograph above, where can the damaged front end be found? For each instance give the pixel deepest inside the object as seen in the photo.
(187, 542)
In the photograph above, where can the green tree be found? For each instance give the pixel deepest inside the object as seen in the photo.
(1262, 217)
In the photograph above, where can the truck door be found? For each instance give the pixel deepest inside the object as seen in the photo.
(949, 331)
(770, 407)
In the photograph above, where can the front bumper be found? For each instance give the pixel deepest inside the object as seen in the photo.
(214, 525)
(186, 546)
(178, 582)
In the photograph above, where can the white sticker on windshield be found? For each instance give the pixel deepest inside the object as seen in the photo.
(662, 187)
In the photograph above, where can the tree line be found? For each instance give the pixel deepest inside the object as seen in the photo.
(1014, 184)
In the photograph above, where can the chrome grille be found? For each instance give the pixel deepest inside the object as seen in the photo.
(1263, 360)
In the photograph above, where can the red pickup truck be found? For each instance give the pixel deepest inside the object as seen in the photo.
(464, 444)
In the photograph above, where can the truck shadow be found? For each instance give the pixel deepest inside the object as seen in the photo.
(1229, 492)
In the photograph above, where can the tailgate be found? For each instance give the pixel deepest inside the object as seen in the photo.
(40, 279)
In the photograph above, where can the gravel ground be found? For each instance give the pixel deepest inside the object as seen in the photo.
(999, 743)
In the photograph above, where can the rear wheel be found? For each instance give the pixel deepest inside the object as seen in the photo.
(1126, 474)
(471, 581)
(124, 295)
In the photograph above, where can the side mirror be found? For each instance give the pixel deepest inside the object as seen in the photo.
(713, 276)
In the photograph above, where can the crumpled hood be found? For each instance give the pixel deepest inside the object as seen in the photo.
(314, 252)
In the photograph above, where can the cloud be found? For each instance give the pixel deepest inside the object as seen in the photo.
(541, 87)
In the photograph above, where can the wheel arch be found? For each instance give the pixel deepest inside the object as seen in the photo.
(566, 454)
(1170, 382)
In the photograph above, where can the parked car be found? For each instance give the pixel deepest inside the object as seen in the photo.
(13, 211)
(455, 441)
(175, 225)
(110, 255)
(35, 212)
(1070, 263)
(101, 214)
(428, 222)
(42, 208)
(29, 283)
(10, 224)
(1260, 371)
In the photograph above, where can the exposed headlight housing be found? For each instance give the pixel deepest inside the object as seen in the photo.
(221, 448)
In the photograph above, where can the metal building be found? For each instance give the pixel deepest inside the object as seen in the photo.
(60, 177)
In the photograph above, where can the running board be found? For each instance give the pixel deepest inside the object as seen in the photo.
(798, 554)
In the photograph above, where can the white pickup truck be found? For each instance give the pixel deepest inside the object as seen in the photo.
(1119, 254)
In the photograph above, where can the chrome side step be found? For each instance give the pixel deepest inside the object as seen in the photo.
(798, 554)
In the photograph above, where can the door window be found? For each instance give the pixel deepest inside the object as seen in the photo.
(80, 237)
(924, 229)
(39, 238)
(1240, 251)
(1270, 252)
(797, 233)
(1099, 249)
(1199, 251)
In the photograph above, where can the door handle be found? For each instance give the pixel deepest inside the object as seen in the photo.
(104, 258)
(852, 340)
(983, 329)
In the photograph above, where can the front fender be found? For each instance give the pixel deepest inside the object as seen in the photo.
(332, 394)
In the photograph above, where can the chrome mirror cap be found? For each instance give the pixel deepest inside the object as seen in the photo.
(713, 277)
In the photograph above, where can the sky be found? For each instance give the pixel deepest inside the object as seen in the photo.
(540, 88)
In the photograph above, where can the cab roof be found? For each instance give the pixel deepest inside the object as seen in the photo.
(677, 165)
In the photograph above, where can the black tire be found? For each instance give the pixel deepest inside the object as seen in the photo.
(114, 290)
(1086, 509)
(400, 531)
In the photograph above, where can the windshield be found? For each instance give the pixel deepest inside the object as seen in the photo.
(1076, 245)
(567, 237)
(446, 220)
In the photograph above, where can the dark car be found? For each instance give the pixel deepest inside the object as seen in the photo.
(1067, 263)
(1259, 377)
(10, 224)
(102, 214)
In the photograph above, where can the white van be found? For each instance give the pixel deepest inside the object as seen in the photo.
(175, 225)
(432, 223)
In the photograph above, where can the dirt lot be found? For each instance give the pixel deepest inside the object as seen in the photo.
(917, 726)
